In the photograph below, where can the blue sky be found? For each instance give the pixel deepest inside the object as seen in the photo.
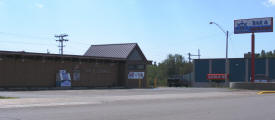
(159, 27)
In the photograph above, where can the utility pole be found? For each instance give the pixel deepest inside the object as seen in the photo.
(61, 40)
(199, 54)
(189, 55)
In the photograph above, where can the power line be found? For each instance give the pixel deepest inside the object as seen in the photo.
(20, 42)
(189, 55)
(23, 35)
(37, 37)
(27, 43)
(61, 40)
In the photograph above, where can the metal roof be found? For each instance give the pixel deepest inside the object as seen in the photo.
(23, 53)
(111, 50)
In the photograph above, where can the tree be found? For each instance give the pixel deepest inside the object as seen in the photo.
(262, 54)
(172, 65)
(268, 54)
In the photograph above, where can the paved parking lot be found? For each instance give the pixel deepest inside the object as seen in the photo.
(80, 97)
(138, 104)
(107, 92)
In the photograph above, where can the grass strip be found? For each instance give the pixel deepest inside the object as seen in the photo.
(3, 97)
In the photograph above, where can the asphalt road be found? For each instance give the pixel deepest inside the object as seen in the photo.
(182, 104)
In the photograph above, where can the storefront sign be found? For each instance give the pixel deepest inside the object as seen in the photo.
(135, 75)
(216, 76)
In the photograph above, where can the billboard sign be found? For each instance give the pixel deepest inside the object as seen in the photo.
(135, 75)
(253, 25)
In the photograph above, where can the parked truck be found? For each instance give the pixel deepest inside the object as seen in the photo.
(177, 81)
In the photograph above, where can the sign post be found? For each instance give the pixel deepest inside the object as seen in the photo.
(253, 26)
(253, 57)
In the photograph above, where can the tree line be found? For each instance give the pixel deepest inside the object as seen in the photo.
(176, 64)
(268, 54)
(172, 65)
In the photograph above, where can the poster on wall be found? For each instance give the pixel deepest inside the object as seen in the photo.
(64, 75)
(135, 75)
(76, 75)
(63, 79)
(66, 83)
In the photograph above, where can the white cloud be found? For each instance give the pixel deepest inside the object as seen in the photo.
(39, 5)
(269, 3)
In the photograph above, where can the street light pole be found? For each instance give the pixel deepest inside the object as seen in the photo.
(226, 61)
(226, 54)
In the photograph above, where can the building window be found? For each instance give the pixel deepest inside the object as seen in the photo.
(136, 67)
(131, 67)
(140, 67)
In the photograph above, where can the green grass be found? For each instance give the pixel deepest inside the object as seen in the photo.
(2, 97)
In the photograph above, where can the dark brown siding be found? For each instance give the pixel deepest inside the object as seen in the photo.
(38, 72)
(121, 77)
(134, 83)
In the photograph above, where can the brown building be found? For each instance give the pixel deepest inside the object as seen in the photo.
(113, 65)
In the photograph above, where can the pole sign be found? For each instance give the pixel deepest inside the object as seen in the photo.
(253, 25)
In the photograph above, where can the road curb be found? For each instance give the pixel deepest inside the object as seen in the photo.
(252, 86)
(265, 92)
